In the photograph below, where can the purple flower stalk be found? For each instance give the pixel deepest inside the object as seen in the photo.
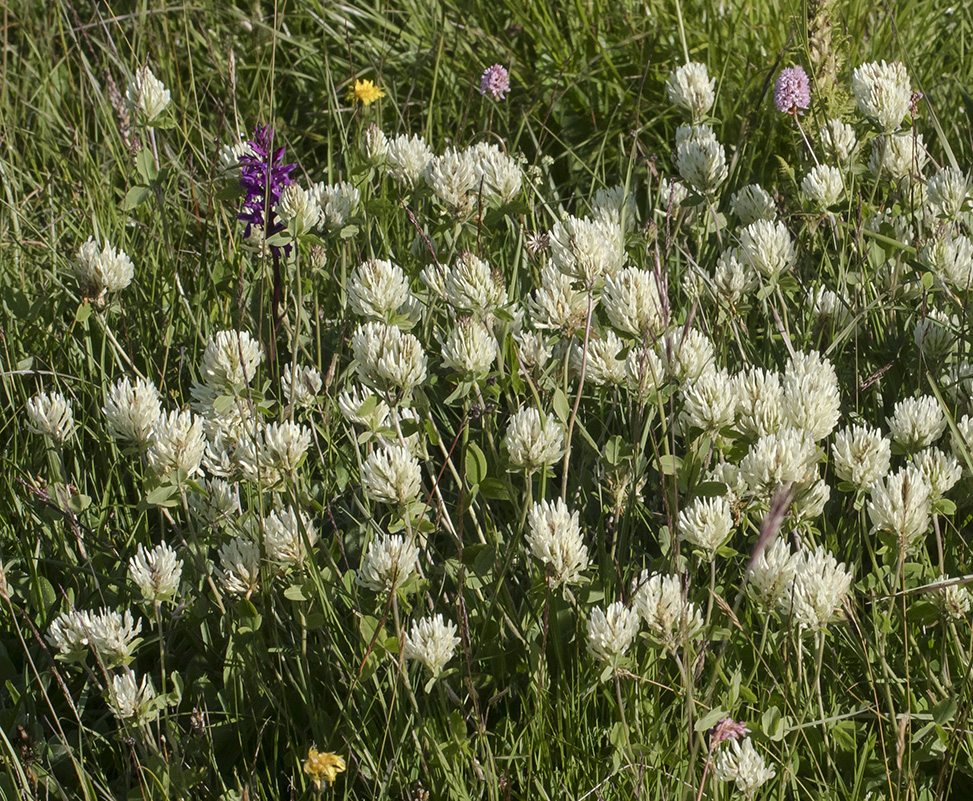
(263, 176)
(792, 94)
(496, 81)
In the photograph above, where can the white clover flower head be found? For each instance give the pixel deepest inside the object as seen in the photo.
(671, 195)
(771, 576)
(787, 456)
(828, 306)
(375, 145)
(157, 573)
(819, 589)
(177, 444)
(839, 141)
(587, 250)
(406, 158)
(146, 94)
(917, 423)
(284, 445)
(230, 359)
(739, 762)
(432, 641)
(112, 636)
(671, 618)
(941, 471)
(823, 186)
(230, 154)
(217, 503)
(861, 456)
(810, 500)
(701, 162)
(952, 258)
(392, 475)
(753, 203)
(132, 411)
(949, 193)
(555, 539)
(338, 203)
(633, 303)
(691, 88)
(127, 698)
(900, 505)
(496, 174)
(470, 348)
(611, 631)
(897, 156)
(694, 133)
(686, 354)
(359, 406)
(602, 365)
(709, 402)
(767, 248)
(388, 562)
(706, 523)
(617, 205)
(935, 333)
(239, 570)
(533, 441)
(728, 474)
(556, 304)
(883, 93)
(962, 439)
(301, 385)
(733, 278)
(102, 271)
(51, 415)
(534, 349)
(377, 289)
(287, 534)
(387, 359)
(952, 596)
(453, 179)
(298, 208)
(472, 286)
(644, 372)
(811, 399)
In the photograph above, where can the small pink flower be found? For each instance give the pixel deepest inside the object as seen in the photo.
(793, 91)
(496, 81)
(726, 729)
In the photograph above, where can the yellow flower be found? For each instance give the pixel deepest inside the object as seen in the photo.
(323, 767)
(365, 92)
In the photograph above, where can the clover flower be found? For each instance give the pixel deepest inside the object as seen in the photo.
(497, 175)
(767, 247)
(644, 372)
(633, 303)
(361, 407)
(375, 145)
(917, 423)
(387, 359)
(771, 575)
(298, 209)
(146, 94)
(811, 400)
(127, 698)
(949, 192)
(707, 523)
(387, 564)
(602, 364)
(940, 471)
(819, 589)
(432, 641)
(392, 475)
(839, 141)
(611, 631)
(555, 303)
(753, 203)
(230, 359)
(495, 80)
(177, 444)
(51, 415)
(759, 401)
(898, 156)
(788, 456)
(935, 334)
(406, 158)
(690, 87)
(883, 93)
(470, 348)
(861, 456)
(157, 572)
(263, 176)
(952, 258)
(671, 618)
(829, 307)
(587, 250)
(671, 195)
(708, 402)
(323, 767)
(617, 205)
(823, 186)
(900, 505)
(792, 92)
(132, 412)
(111, 635)
(733, 279)
(471, 286)
(101, 271)
(555, 539)
(739, 762)
(701, 162)
(239, 570)
(453, 179)
(533, 442)
(301, 385)
(216, 504)
(686, 354)
(952, 596)
(377, 289)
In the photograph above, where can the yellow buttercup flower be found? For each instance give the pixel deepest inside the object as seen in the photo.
(365, 92)
(323, 767)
